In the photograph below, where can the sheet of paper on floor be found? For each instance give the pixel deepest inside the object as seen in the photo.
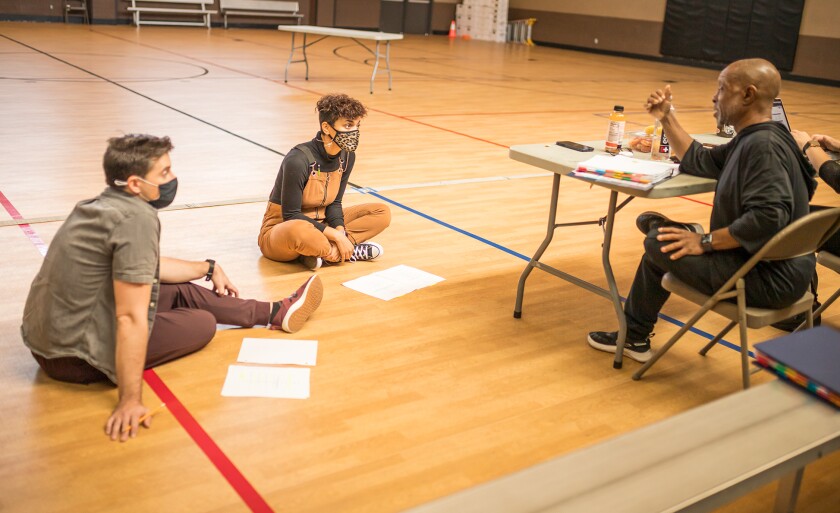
(394, 282)
(284, 382)
(278, 351)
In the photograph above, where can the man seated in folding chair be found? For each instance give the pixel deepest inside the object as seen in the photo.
(764, 184)
(816, 148)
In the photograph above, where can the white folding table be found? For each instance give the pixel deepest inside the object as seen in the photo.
(561, 161)
(355, 35)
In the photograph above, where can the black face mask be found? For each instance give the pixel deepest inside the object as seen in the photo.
(167, 194)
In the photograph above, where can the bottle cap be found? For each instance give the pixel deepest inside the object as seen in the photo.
(619, 108)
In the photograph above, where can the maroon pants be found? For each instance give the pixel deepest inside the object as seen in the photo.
(185, 322)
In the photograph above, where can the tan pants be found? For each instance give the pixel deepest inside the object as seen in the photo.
(284, 241)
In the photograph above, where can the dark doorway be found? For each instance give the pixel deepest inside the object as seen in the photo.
(406, 16)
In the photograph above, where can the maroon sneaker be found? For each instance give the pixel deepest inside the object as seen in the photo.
(295, 309)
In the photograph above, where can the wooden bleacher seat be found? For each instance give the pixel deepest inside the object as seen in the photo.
(270, 8)
(180, 9)
(697, 461)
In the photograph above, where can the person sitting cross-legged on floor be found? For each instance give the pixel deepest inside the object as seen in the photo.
(305, 219)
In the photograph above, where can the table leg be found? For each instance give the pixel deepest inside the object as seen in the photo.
(375, 67)
(388, 61)
(552, 213)
(614, 296)
(305, 58)
(787, 492)
(289, 62)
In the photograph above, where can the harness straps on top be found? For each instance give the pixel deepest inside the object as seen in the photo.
(310, 157)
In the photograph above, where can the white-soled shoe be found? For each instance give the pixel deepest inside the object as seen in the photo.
(366, 251)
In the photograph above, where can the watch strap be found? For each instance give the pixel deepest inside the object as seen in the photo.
(209, 275)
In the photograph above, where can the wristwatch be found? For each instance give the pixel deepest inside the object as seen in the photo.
(810, 144)
(209, 275)
(706, 243)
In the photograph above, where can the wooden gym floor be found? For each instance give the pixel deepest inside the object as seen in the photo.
(413, 398)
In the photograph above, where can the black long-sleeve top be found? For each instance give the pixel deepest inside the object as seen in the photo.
(763, 184)
(294, 174)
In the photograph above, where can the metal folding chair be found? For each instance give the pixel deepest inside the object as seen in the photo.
(831, 261)
(799, 238)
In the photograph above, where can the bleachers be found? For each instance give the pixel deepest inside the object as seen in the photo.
(180, 9)
(269, 8)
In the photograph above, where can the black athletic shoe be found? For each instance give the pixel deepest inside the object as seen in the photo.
(792, 323)
(638, 350)
(647, 221)
(312, 263)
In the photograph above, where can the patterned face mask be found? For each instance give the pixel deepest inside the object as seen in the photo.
(347, 141)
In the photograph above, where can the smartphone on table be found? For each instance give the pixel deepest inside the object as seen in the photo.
(574, 146)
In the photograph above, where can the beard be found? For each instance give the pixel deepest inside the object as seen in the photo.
(721, 118)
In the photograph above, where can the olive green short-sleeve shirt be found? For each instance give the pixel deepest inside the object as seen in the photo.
(70, 310)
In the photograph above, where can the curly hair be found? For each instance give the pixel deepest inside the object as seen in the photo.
(133, 154)
(334, 106)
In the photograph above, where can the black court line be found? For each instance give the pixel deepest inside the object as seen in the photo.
(359, 187)
(138, 93)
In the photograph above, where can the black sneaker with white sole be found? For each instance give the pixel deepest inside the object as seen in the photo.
(638, 350)
(366, 251)
(312, 263)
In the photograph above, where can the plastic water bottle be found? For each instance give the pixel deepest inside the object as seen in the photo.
(661, 148)
(615, 132)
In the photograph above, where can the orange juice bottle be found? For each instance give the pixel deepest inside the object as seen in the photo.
(615, 132)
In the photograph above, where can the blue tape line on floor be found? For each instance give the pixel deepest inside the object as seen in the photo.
(367, 190)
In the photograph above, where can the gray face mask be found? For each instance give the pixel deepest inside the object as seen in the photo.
(347, 141)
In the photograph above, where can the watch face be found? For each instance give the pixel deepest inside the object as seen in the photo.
(706, 242)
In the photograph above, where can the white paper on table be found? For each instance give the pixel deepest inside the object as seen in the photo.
(278, 351)
(394, 282)
(247, 381)
(629, 165)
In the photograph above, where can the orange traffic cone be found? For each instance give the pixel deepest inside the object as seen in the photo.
(452, 30)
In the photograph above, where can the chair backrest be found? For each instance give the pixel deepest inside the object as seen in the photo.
(803, 236)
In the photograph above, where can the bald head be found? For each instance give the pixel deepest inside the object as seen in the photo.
(758, 73)
(746, 90)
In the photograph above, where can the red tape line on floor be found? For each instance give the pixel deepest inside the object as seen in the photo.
(253, 499)
(27, 230)
(226, 467)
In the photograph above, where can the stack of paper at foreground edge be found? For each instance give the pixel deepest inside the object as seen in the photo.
(625, 171)
(274, 351)
(394, 282)
(248, 381)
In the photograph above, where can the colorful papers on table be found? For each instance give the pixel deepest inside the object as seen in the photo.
(249, 381)
(625, 171)
(394, 282)
(274, 351)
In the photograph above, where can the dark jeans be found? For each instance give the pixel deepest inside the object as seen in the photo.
(646, 297)
(185, 322)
